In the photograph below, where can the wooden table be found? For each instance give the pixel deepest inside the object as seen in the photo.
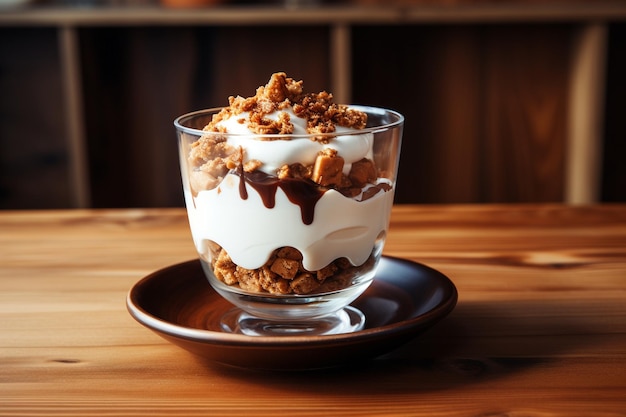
(539, 329)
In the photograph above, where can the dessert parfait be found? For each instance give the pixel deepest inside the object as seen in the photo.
(289, 195)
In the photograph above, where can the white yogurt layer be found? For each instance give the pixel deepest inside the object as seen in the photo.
(250, 232)
(276, 153)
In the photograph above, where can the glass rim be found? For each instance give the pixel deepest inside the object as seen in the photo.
(370, 110)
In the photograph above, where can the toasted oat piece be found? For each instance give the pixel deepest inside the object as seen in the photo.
(289, 253)
(286, 268)
(363, 172)
(272, 283)
(224, 269)
(326, 272)
(328, 168)
(296, 171)
(304, 283)
(248, 279)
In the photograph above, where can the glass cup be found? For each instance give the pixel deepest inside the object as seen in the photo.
(290, 250)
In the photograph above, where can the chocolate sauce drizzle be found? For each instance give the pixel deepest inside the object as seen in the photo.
(304, 193)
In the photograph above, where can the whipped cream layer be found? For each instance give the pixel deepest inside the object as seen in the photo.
(249, 231)
(275, 153)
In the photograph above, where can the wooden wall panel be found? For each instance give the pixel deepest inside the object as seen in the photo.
(245, 58)
(433, 76)
(485, 108)
(136, 89)
(614, 174)
(33, 153)
(104, 55)
(526, 91)
(161, 85)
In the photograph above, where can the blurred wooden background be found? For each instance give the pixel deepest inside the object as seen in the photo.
(88, 96)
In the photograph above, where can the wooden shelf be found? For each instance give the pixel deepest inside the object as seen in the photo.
(506, 12)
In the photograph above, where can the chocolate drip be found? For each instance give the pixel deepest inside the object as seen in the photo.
(265, 185)
(243, 192)
(301, 192)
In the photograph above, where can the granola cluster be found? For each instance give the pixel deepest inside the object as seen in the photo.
(281, 92)
(283, 273)
(327, 172)
(210, 159)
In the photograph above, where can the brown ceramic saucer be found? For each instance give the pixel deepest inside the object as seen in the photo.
(178, 303)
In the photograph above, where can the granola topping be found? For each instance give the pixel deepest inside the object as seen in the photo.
(322, 115)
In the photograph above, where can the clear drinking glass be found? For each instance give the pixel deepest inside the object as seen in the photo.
(243, 223)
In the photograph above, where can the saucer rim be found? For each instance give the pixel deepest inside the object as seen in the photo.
(413, 324)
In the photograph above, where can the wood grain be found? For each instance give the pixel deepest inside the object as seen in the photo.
(539, 330)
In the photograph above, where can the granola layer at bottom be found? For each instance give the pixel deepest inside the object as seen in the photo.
(283, 273)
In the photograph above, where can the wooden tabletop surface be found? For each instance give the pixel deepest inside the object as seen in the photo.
(539, 328)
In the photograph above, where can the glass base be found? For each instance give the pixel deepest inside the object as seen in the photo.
(345, 320)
